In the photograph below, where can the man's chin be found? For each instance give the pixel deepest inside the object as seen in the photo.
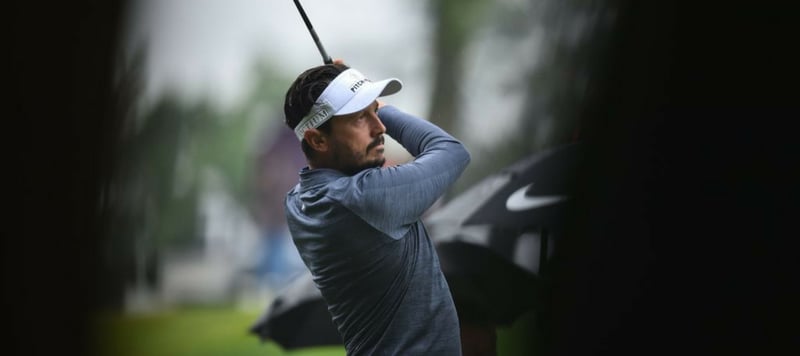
(378, 163)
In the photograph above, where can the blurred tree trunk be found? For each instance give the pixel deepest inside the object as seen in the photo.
(574, 36)
(59, 128)
(554, 74)
(455, 22)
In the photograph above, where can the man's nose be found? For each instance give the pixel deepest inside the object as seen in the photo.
(377, 125)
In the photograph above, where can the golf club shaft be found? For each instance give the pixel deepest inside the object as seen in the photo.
(325, 58)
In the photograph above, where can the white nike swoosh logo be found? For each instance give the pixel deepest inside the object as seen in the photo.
(518, 201)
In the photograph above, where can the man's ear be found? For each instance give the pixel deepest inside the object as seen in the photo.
(317, 139)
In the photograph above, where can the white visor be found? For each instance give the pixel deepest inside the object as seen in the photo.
(349, 92)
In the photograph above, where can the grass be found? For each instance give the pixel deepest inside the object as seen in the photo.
(518, 339)
(223, 331)
(189, 332)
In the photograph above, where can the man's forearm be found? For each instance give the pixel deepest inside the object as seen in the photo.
(418, 136)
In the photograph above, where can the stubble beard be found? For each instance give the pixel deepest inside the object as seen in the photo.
(354, 166)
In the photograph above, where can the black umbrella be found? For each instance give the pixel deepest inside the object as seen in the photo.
(298, 318)
(537, 193)
(486, 287)
(493, 258)
(514, 211)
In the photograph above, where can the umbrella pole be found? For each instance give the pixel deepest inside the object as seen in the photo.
(542, 249)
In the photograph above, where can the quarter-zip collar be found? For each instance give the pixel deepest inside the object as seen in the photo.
(313, 178)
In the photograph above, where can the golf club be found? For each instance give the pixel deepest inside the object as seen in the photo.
(325, 58)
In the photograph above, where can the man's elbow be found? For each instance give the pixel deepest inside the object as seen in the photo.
(463, 154)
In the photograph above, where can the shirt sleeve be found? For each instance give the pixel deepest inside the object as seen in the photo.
(392, 199)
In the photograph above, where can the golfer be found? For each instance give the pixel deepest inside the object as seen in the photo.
(357, 223)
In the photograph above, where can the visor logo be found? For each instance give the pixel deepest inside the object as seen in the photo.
(358, 84)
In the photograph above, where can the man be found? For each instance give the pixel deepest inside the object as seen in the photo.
(357, 224)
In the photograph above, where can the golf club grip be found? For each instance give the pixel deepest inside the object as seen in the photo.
(325, 58)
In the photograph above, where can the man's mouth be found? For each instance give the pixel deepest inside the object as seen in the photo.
(378, 141)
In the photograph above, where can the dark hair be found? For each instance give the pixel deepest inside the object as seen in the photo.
(304, 92)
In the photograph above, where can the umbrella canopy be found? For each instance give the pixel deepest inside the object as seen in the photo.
(515, 211)
(298, 318)
(487, 288)
(492, 239)
(537, 192)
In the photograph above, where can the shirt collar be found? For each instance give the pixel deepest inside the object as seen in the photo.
(312, 178)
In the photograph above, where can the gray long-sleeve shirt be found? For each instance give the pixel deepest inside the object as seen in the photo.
(362, 239)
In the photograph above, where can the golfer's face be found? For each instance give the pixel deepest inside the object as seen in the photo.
(357, 140)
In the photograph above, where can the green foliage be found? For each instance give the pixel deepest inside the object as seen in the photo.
(169, 153)
(177, 143)
(170, 149)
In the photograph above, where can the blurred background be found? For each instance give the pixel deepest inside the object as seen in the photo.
(204, 159)
(148, 160)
